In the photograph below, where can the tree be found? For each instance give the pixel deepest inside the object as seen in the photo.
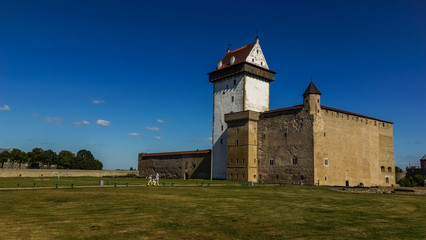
(85, 160)
(397, 169)
(65, 159)
(36, 157)
(50, 158)
(18, 156)
(85, 154)
(4, 157)
(412, 181)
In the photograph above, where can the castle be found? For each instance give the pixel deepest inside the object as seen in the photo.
(305, 144)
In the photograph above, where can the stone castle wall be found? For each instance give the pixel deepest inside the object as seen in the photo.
(64, 173)
(310, 145)
(285, 147)
(354, 150)
(176, 165)
(242, 146)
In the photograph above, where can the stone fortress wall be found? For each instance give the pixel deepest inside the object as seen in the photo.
(186, 165)
(65, 173)
(310, 144)
(286, 147)
(354, 149)
(242, 146)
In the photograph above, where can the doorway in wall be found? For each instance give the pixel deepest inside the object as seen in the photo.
(347, 183)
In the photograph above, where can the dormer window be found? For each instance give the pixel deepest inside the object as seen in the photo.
(219, 64)
(232, 61)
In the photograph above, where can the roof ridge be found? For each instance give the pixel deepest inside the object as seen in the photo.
(239, 48)
(238, 55)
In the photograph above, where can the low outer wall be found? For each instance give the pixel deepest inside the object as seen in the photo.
(64, 173)
(186, 164)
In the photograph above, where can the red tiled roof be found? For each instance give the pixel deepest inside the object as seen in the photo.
(176, 153)
(240, 55)
(284, 109)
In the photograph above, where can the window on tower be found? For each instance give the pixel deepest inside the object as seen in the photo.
(232, 98)
(294, 160)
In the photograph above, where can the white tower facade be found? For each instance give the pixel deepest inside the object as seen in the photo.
(240, 82)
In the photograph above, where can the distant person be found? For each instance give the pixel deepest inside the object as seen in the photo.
(154, 182)
(150, 180)
(157, 177)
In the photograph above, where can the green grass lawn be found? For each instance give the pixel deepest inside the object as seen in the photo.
(27, 182)
(221, 211)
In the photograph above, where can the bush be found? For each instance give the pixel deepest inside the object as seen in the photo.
(412, 181)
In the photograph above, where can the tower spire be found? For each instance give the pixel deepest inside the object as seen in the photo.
(229, 45)
(311, 89)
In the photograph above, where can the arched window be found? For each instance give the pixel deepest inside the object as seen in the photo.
(389, 169)
(387, 180)
(382, 168)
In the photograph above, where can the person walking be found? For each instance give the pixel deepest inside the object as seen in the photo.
(157, 177)
(150, 180)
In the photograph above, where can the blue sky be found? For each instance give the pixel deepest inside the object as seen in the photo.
(141, 67)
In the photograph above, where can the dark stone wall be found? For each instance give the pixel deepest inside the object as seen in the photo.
(282, 137)
(194, 166)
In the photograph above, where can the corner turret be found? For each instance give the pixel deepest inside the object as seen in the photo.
(311, 99)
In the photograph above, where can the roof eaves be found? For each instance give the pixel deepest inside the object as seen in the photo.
(355, 114)
(176, 153)
(283, 109)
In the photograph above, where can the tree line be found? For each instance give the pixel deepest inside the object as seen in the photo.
(64, 160)
(412, 181)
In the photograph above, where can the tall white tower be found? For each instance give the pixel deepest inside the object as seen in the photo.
(240, 82)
